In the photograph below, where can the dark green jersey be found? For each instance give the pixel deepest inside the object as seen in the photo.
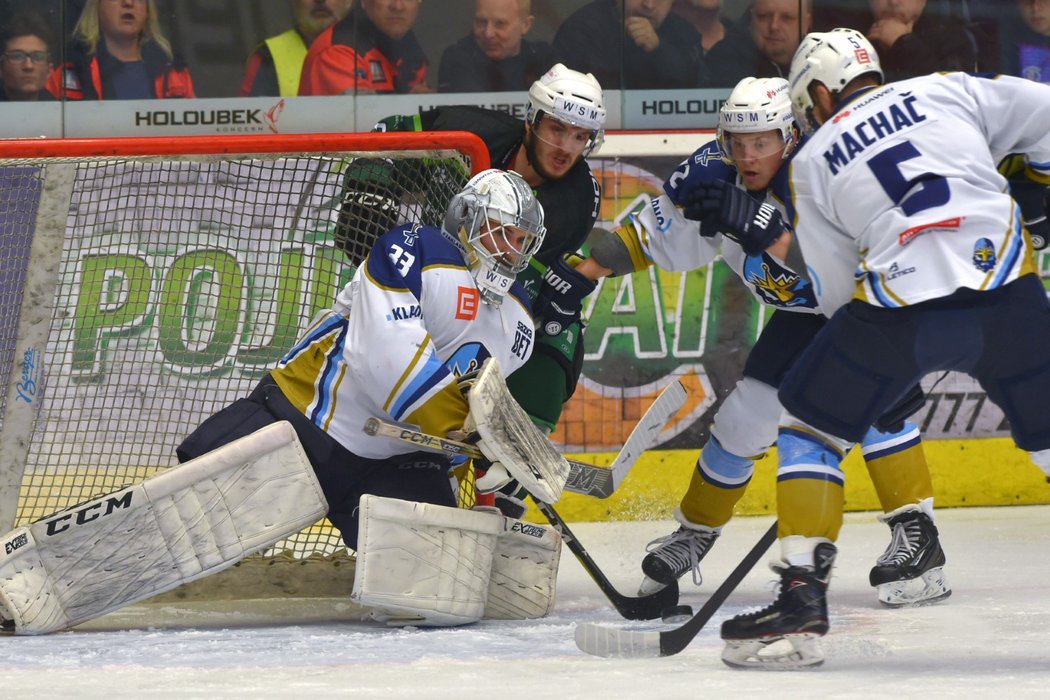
(570, 204)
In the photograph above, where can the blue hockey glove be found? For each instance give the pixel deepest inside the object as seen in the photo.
(560, 301)
(721, 207)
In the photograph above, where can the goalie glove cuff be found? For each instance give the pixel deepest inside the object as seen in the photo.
(491, 476)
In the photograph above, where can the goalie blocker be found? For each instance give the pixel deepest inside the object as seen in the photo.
(188, 522)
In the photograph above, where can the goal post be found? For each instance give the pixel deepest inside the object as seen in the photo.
(145, 283)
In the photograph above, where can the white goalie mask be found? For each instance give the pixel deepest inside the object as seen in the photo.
(572, 98)
(832, 59)
(497, 223)
(757, 105)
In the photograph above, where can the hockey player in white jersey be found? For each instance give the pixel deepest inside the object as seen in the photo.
(428, 307)
(919, 253)
(733, 174)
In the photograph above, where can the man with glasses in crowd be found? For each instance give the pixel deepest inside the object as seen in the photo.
(25, 62)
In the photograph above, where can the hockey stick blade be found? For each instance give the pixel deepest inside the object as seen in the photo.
(597, 640)
(588, 479)
(647, 431)
(647, 607)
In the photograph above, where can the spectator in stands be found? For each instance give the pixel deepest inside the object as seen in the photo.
(119, 52)
(275, 65)
(372, 50)
(764, 46)
(25, 62)
(707, 19)
(495, 57)
(913, 39)
(1029, 45)
(643, 46)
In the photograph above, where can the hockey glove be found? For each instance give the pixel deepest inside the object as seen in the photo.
(1038, 225)
(369, 208)
(560, 301)
(492, 477)
(721, 207)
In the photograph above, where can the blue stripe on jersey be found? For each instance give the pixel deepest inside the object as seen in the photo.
(432, 373)
(324, 327)
(1014, 250)
(324, 399)
(875, 282)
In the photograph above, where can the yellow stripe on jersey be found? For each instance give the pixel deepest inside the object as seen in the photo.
(332, 408)
(1036, 176)
(298, 378)
(417, 359)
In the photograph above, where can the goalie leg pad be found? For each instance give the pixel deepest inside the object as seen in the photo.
(524, 572)
(510, 437)
(423, 564)
(188, 522)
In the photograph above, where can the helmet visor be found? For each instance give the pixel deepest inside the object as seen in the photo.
(576, 140)
(753, 145)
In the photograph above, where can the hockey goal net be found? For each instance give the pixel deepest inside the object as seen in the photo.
(147, 283)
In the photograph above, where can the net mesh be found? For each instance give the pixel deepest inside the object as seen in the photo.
(180, 282)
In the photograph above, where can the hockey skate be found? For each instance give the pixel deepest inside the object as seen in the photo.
(798, 616)
(911, 570)
(672, 555)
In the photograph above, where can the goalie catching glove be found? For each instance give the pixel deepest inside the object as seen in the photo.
(560, 301)
(721, 207)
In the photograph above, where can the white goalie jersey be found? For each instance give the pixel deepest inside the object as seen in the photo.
(656, 232)
(895, 200)
(399, 335)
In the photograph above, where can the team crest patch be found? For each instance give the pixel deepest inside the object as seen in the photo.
(984, 258)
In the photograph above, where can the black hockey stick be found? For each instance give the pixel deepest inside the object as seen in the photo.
(647, 607)
(606, 641)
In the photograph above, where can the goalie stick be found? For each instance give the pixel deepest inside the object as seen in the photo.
(584, 478)
(632, 644)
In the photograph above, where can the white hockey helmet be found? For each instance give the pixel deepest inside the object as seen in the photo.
(571, 97)
(833, 59)
(757, 105)
(497, 223)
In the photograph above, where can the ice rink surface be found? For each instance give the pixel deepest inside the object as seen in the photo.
(990, 637)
